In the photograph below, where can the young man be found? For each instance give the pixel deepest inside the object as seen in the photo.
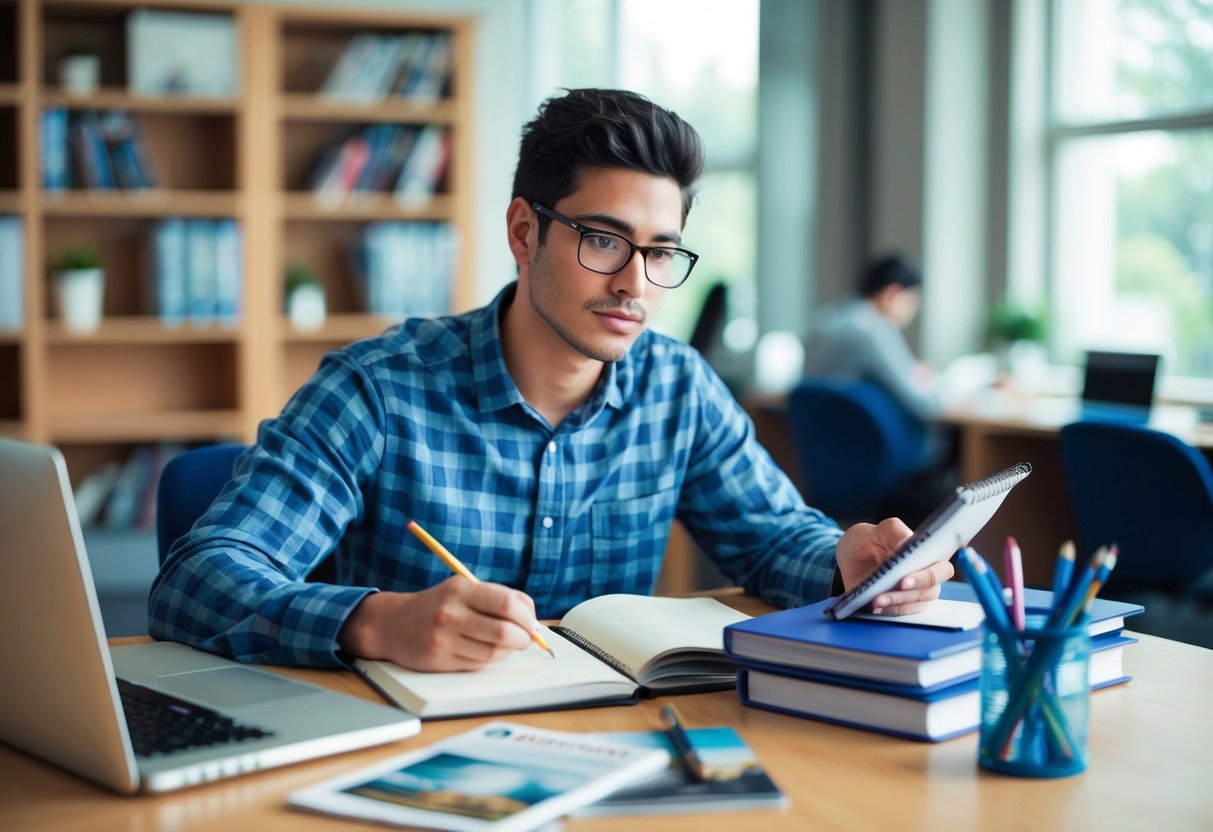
(547, 439)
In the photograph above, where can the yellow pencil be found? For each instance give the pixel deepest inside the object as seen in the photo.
(459, 569)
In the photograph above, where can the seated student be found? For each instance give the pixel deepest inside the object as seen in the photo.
(548, 439)
(861, 340)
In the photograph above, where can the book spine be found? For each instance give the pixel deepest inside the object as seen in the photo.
(54, 149)
(169, 271)
(12, 277)
(229, 269)
(596, 651)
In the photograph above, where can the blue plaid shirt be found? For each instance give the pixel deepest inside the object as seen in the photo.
(425, 423)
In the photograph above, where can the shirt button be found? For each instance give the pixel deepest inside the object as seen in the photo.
(552, 447)
(548, 522)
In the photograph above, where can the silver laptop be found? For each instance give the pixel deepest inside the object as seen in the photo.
(60, 699)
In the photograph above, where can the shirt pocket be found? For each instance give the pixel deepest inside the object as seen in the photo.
(629, 541)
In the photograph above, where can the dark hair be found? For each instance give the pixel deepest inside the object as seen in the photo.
(603, 128)
(893, 270)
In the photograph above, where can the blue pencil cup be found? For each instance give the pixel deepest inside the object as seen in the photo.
(1035, 698)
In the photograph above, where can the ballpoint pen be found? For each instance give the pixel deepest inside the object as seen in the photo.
(682, 744)
(462, 571)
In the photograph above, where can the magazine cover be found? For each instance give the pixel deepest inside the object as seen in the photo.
(735, 779)
(502, 777)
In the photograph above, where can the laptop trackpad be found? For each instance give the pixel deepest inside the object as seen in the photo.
(232, 687)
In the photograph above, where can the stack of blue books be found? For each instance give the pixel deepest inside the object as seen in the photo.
(879, 674)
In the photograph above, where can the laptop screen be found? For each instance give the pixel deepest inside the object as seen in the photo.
(1123, 378)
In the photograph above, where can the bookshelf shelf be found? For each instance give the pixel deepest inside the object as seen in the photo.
(143, 427)
(148, 204)
(119, 99)
(309, 107)
(337, 329)
(358, 207)
(143, 330)
(215, 161)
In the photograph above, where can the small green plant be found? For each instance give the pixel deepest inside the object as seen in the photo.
(299, 275)
(80, 47)
(78, 258)
(1009, 322)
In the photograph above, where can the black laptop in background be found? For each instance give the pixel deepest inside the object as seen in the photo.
(1119, 385)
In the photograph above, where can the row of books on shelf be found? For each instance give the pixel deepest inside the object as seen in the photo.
(121, 495)
(12, 278)
(414, 65)
(91, 149)
(196, 272)
(918, 677)
(406, 160)
(407, 269)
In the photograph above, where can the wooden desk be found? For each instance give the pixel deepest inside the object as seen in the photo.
(997, 429)
(1151, 751)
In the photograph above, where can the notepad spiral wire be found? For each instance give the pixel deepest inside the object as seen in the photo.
(970, 494)
(995, 483)
(595, 651)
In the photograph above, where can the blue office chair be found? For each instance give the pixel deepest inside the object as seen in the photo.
(855, 445)
(189, 483)
(1150, 494)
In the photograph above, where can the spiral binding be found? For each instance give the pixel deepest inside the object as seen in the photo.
(974, 492)
(595, 651)
(994, 484)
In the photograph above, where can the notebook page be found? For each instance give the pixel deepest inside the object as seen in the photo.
(634, 629)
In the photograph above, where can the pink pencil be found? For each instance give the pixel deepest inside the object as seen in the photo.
(1014, 563)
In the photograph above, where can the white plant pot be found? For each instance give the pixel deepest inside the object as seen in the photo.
(79, 74)
(80, 294)
(306, 308)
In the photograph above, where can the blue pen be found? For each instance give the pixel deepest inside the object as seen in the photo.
(989, 593)
(1063, 571)
(1066, 614)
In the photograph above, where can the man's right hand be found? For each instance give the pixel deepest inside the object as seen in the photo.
(456, 625)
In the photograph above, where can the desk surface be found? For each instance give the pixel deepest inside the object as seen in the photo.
(1151, 754)
(1009, 411)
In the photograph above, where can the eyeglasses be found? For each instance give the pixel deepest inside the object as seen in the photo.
(606, 252)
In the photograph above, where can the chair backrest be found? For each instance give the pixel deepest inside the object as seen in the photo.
(854, 443)
(1146, 491)
(189, 483)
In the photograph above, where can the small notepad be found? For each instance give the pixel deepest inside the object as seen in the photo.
(941, 614)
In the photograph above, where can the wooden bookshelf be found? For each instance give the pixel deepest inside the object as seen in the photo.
(137, 379)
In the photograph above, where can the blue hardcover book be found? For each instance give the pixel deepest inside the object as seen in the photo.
(932, 715)
(200, 270)
(882, 649)
(170, 293)
(54, 149)
(12, 273)
(229, 271)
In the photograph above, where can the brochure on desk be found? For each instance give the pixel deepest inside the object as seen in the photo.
(500, 777)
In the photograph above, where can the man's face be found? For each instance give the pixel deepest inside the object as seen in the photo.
(598, 315)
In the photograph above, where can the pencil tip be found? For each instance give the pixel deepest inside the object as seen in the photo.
(551, 653)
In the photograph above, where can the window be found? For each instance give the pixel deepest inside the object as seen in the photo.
(699, 58)
(1130, 150)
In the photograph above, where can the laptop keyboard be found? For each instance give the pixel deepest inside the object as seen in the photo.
(160, 724)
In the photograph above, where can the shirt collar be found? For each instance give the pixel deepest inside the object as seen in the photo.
(495, 390)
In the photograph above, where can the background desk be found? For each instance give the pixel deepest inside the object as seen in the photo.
(998, 429)
(1151, 754)
(995, 430)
